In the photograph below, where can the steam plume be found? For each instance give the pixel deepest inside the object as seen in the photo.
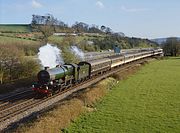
(77, 52)
(50, 56)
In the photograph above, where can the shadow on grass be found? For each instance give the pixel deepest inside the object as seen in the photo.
(172, 57)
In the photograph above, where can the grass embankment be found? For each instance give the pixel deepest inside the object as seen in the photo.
(65, 112)
(147, 102)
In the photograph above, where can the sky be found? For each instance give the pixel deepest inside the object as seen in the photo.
(137, 18)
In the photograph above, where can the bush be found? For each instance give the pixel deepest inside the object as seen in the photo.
(28, 68)
(68, 56)
(13, 64)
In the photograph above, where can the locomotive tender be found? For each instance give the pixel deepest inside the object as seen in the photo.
(59, 78)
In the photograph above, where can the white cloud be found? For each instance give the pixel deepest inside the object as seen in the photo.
(125, 9)
(99, 4)
(36, 4)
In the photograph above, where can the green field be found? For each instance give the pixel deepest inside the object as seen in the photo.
(19, 41)
(28, 47)
(15, 28)
(147, 102)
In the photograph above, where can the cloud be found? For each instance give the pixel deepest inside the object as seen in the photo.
(36, 4)
(125, 9)
(99, 4)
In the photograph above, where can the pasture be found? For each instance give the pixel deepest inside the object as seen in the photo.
(19, 41)
(14, 28)
(146, 102)
(29, 47)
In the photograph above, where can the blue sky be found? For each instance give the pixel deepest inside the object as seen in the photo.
(138, 18)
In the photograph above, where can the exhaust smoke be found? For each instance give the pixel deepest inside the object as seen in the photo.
(77, 52)
(50, 56)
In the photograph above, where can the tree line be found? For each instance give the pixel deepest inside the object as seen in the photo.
(78, 27)
(171, 46)
(48, 25)
(123, 42)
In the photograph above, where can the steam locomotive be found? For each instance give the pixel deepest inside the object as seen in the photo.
(57, 79)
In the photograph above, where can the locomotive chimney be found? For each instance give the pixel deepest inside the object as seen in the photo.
(46, 68)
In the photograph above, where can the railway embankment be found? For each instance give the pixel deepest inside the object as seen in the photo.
(79, 103)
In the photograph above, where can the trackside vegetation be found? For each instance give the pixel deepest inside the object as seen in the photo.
(146, 102)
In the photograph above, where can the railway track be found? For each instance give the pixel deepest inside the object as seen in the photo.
(14, 96)
(11, 100)
(11, 113)
(15, 101)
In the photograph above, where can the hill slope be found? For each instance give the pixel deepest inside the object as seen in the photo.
(161, 40)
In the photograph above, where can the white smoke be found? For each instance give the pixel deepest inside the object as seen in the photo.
(50, 56)
(77, 52)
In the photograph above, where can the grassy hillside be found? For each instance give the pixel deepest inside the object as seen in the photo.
(10, 28)
(29, 47)
(19, 41)
(146, 102)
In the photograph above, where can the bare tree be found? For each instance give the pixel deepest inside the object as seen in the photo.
(80, 27)
(10, 57)
(103, 28)
(108, 30)
(45, 24)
